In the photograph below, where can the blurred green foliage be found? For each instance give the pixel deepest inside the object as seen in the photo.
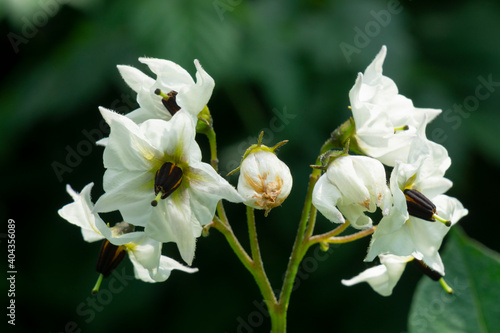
(268, 58)
(474, 271)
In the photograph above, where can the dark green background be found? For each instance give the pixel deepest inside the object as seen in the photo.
(264, 56)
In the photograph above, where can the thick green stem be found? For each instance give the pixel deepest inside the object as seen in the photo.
(305, 230)
(299, 247)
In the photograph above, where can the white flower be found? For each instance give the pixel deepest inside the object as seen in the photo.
(161, 159)
(144, 252)
(385, 121)
(170, 77)
(382, 278)
(351, 186)
(265, 181)
(411, 228)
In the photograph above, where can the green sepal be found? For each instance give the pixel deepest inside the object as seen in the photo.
(258, 147)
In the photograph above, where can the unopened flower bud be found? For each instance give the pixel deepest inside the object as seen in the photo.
(351, 186)
(265, 181)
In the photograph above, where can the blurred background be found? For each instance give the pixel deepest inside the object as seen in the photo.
(279, 66)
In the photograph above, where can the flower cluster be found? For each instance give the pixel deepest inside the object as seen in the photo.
(156, 179)
(157, 182)
(390, 132)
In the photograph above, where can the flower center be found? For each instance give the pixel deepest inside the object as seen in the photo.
(169, 101)
(167, 179)
(420, 206)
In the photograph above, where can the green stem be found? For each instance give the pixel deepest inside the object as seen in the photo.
(343, 239)
(258, 272)
(233, 242)
(214, 161)
(300, 248)
(332, 233)
(253, 264)
(305, 230)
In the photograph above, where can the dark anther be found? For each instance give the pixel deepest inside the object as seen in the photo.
(109, 258)
(427, 270)
(169, 101)
(168, 178)
(419, 206)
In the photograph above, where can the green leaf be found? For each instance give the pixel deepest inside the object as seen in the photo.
(473, 271)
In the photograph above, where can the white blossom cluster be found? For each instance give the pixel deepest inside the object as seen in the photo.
(155, 177)
(390, 131)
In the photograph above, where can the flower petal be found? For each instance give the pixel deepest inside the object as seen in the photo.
(325, 197)
(128, 192)
(146, 252)
(171, 222)
(169, 74)
(134, 77)
(174, 138)
(382, 278)
(193, 98)
(127, 146)
(80, 214)
(162, 272)
(391, 237)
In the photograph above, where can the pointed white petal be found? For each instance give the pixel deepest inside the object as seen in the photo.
(127, 146)
(173, 138)
(193, 98)
(382, 278)
(80, 214)
(162, 273)
(169, 74)
(203, 178)
(171, 222)
(135, 78)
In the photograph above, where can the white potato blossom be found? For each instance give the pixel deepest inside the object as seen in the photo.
(351, 186)
(264, 181)
(172, 90)
(385, 121)
(384, 277)
(156, 179)
(413, 225)
(144, 252)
